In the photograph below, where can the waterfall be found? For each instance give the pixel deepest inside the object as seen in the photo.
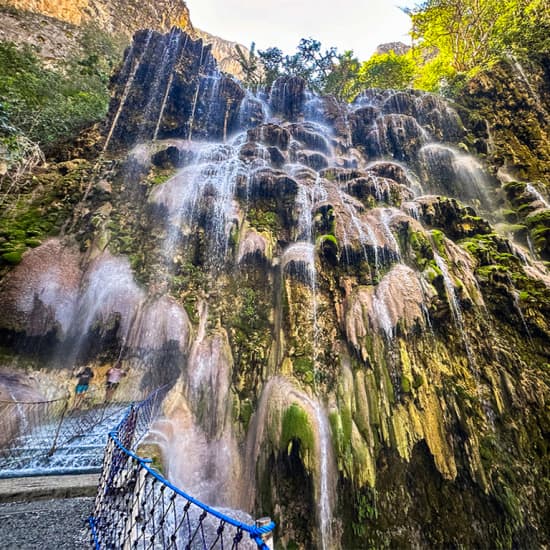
(456, 310)
(128, 61)
(324, 485)
(205, 187)
(260, 251)
(162, 72)
(455, 174)
(519, 70)
(532, 190)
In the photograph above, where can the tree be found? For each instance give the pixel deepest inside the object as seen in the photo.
(343, 82)
(387, 70)
(272, 60)
(463, 36)
(250, 66)
(309, 62)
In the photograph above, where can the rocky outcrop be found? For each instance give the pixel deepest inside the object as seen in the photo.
(399, 48)
(53, 28)
(117, 16)
(509, 114)
(52, 39)
(187, 97)
(224, 51)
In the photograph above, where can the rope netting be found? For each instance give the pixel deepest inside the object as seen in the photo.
(32, 431)
(137, 508)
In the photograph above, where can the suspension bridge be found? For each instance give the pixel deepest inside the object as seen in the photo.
(135, 506)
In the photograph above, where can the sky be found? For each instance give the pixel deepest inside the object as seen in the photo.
(358, 25)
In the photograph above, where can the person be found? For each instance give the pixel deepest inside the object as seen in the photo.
(84, 377)
(114, 376)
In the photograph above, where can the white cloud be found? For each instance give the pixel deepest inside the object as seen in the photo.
(359, 25)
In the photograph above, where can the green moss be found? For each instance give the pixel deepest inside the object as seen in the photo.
(510, 216)
(296, 426)
(542, 217)
(263, 220)
(347, 423)
(304, 368)
(514, 187)
(418, 380)
(438, 238)
(33, 242)
(432, 271)
(328, 239)
(337, 431)
(405, 385)
(12, 257)
(524, 296)
(158, 177)
(40, 212)
(365, 511)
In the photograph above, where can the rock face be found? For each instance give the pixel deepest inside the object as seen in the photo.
(510, 107)
(399, 48)
(117, 16)
(224, 51)
(352, 346)
(187, 98)
(52, 26)
(508, 112)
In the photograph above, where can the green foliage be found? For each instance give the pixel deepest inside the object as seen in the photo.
(49, 104)
(309, 62)
(263, 220)
(342, 81)
(387, 70)
(453, 37)
(365, 511)
(304, 368)
(249, 62)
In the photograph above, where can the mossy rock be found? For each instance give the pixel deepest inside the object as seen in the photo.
(12, 258)
(296, 426)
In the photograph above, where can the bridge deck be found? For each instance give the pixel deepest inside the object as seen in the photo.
(32, 488)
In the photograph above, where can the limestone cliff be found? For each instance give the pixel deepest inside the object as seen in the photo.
(224, 52)
(115, 16)
(50, 25)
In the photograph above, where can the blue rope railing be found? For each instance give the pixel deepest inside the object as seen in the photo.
(136, 507)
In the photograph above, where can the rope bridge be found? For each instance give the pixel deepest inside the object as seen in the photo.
(137, 508)
(33, 432)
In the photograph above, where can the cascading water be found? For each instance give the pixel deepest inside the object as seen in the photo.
(131, 66)
(456, 310)
(207, 184)
(455, 174)
(530, 188)
(286, 267)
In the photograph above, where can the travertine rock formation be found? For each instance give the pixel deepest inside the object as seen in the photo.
(352, 346)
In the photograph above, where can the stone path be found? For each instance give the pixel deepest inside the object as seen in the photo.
(46, 513)
(56, 524)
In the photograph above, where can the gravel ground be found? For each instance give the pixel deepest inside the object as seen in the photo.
(59, 524)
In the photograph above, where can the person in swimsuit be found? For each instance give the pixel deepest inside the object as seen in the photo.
(114, 376)
(84, 377)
